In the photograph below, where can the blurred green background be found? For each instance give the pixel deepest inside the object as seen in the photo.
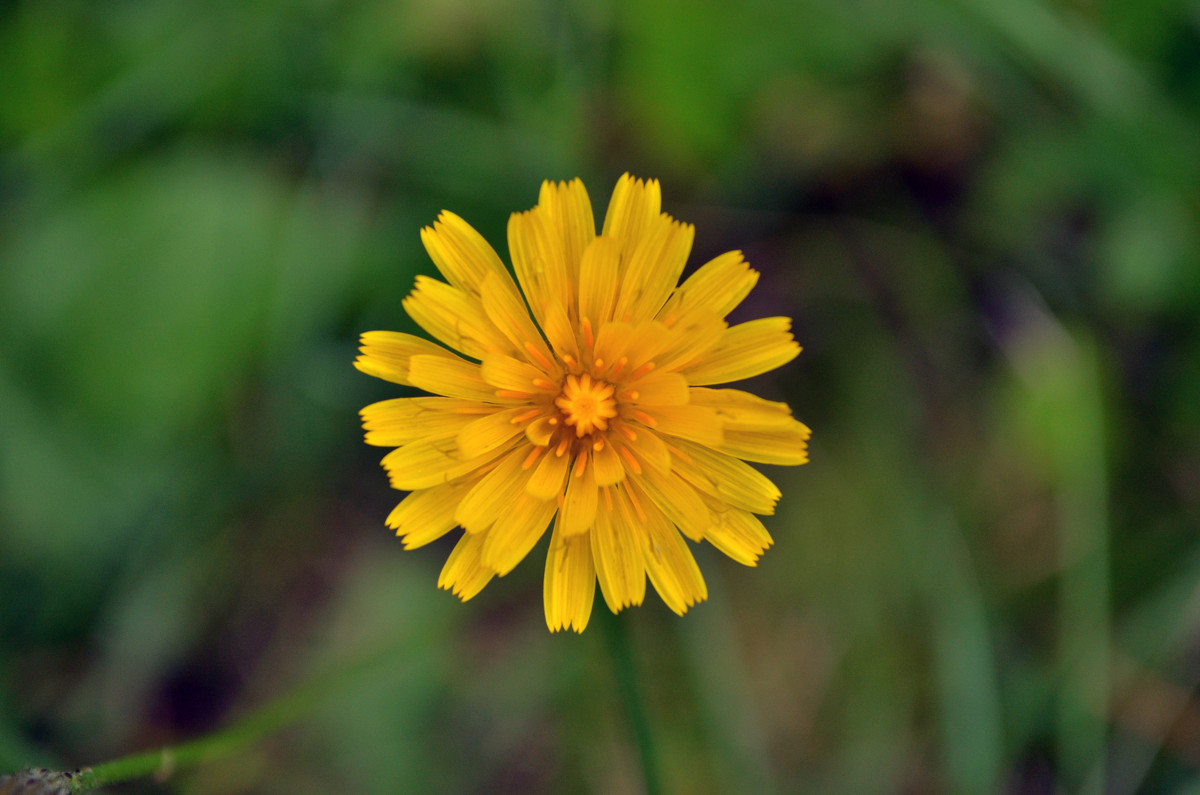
(982, 214)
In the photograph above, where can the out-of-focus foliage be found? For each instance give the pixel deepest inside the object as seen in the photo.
(982, 214)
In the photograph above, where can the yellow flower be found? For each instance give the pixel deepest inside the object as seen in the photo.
(593, 412)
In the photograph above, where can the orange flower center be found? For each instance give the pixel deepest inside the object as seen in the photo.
(586, 404)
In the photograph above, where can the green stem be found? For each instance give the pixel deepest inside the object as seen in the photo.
(625, 670)
(233, 739)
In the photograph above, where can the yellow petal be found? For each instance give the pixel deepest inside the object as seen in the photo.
(515, 532)
(616, 551)
(493, 493)
(650, 448)
(740, 535)
(464, 573)
(541, 430)
(489, 432)
(692, 335)
(696, 423)
(570, 213)
(745, 350)
(569, 586)
(661, 389)
(560, 331)
(549, 477)
(786, 446)
(678, 501)
(607, 465)
(505, 372)
(725, 478)
(653, 264)
(528, 266)
(461, 253)
(671, 567)
(390, 423)
(612, 340)
(598, 280)
(504, 307)
(579, 506)
(428, 514)
(452, 377)
(386, 354)
(634, 205)
(646, 340)
(454, 317)
(428, 462)
(718, 286)
(536, 249)
(742, 411)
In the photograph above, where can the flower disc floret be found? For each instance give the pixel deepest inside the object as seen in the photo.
(586, 405)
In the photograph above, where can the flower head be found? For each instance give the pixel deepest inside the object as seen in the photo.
(582, 397)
